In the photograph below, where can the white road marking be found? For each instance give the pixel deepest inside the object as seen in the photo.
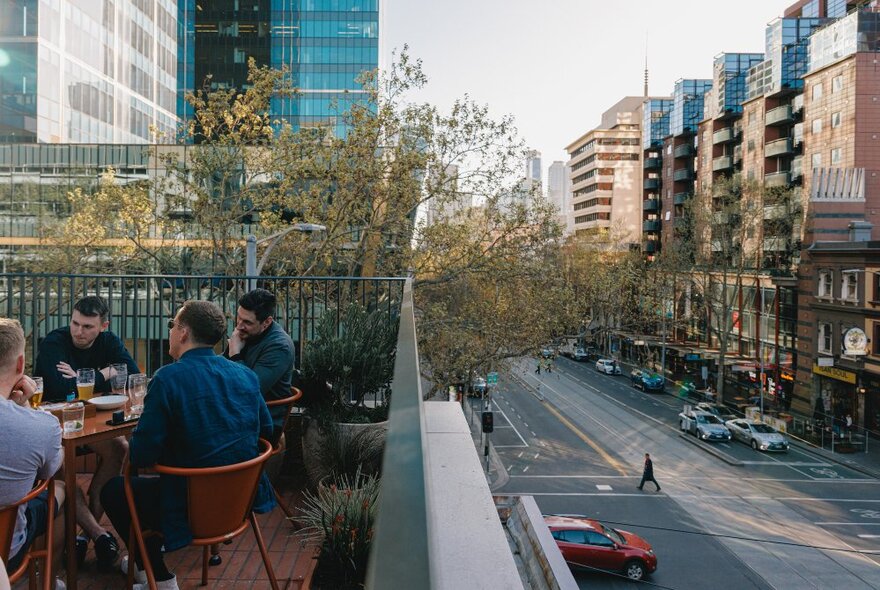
(869, 536)
(520, 455)
(526, 468)
(510, 446)
(524, 443)
(536, 456)
(847, 524)
(603, 487)
(533, 433)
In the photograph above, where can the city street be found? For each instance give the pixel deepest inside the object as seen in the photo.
(727, 516)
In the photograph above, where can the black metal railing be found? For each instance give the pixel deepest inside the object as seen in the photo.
(400, 556)
(141, 305)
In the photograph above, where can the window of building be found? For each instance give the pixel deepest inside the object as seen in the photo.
(875, 340)
(669, 149)
(835, 119)
(826, 284)
(850, 286)
(751, 145)
(752, 118)
(817, 91)
(825, 339)
(817, 125)
(836, 83)
(836, 155)
(816, 160)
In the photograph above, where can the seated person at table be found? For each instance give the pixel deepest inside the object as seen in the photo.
(85, 344)
(261, 344)
(30, 446)
(201, 411)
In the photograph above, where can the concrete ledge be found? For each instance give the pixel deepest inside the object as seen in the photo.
(708, 448)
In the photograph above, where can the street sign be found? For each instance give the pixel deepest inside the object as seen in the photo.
(492, 378)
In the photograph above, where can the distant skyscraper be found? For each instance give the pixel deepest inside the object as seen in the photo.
(326, 45)
(89, 72)
(558, 194)
(533, 166)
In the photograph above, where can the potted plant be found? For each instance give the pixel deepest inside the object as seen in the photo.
(346, 371)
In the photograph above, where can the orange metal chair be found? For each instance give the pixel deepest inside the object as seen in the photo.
(219, 501)
(280, 445)
(7, 528)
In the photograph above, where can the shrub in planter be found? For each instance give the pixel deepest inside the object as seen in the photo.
(342, 515)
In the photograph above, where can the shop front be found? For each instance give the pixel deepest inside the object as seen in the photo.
(835, 395)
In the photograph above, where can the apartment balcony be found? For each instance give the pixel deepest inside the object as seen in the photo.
(737, 155)
(722, 164)
(685, 150)
(774, 212)
(779, 147)
(680, 198)
(725, 135)
(651, 246)
(651, 205)
(777, 179)
(652, 184)
(683, 174)
(653, 163)
(775, 244)
(651, 226)
(779, 116)
(797, 168)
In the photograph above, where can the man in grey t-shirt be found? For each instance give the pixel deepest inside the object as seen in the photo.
(30, 444)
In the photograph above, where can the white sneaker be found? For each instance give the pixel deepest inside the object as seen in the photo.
(166, 585)
(140, 576)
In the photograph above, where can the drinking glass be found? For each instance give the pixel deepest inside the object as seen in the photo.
(137, 391)
(85, 384)
(37, 398)
(119, 379)
(73, 418)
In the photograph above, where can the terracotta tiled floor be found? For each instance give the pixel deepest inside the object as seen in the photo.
(242, 567)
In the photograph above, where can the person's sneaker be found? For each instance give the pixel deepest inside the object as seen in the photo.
(140, 576)
(106, 550)
(59, 584)
(164, 585)
(82, 547)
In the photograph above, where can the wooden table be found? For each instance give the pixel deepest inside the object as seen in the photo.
(94, 430)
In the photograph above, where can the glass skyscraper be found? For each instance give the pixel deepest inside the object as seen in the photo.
(88, 72)
(326, 45)
(687, 106)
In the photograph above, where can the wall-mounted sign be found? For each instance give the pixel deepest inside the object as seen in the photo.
(855, 342)
(835, 373)
(825, 361)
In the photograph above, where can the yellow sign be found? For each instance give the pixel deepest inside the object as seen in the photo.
(835, 373)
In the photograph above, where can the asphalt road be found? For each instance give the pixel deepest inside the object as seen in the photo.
(727, 516)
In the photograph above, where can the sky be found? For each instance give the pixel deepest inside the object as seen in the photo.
(557, 65)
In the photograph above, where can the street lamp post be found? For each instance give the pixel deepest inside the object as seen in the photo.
(252, 267)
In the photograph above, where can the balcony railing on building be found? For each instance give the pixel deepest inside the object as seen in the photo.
(652, 184)
(777, 179)
(651, 225)
(653, 163)
(779, 147)
(722, 163)
(685, 150)
(651, 205)
(680, 198)
(683, 174)
(725, 135)
(651, 246)
(781, 115)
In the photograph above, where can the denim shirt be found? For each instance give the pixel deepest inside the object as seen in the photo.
(202, 411)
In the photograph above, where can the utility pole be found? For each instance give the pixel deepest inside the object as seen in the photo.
(761, 348)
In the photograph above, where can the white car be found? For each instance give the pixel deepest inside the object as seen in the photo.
(758, 435)
(704, 425)
(608, 366)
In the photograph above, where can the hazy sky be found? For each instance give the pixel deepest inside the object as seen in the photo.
(556, 65)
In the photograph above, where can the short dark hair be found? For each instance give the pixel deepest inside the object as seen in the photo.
(259, 301)
(93, 305)
(205, 321)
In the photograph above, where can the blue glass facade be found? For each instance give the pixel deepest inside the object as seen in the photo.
(687, 107)
(787, 56)
(655, 121)
(325, 44)
(730, 73)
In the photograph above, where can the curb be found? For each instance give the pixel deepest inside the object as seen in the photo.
(706, 447)
(828, 456)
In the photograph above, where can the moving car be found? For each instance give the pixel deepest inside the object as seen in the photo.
(608, 366)
(758, 435)
(479, 386)
(580, 355)
(587, 543)
(647, 380)
(703, 425)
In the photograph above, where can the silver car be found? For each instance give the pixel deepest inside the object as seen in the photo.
(758, 435)
(704, 426)
(608, 366)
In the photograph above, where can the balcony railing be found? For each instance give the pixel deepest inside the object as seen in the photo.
(680, 198)
(652, 183)
(651, 204)
(779, 147)
(685, 150)
(651, 246)
(725, 135)
(777, 179)
(723, 163)
(651, 226)
(779, 116)
(683, 174)
(653, 163)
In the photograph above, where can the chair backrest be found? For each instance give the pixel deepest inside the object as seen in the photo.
(9, 514)
(295, 394)
(220, 498)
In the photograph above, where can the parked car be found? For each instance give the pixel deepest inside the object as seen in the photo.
(580, 355)
(719, 410)
(758, 435)
(703, 425)
(587, 543)
(647, 380)
(608, 366)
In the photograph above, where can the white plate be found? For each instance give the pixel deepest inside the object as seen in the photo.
(108, 402)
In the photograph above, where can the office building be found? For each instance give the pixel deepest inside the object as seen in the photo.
(325, 44)
(655, 128)
(87, 72)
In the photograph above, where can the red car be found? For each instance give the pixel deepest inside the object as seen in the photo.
(587, 543)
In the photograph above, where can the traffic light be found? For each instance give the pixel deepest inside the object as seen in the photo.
(488, 422)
